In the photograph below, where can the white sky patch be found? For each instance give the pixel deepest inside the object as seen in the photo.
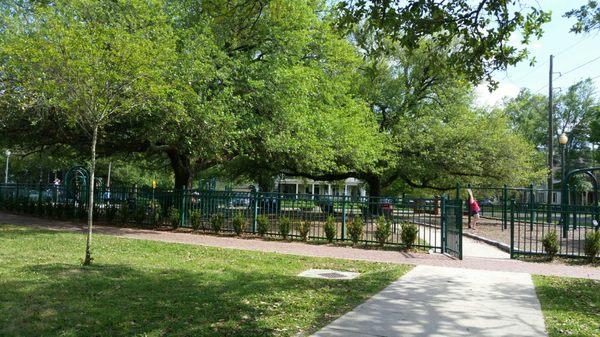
(486, 98)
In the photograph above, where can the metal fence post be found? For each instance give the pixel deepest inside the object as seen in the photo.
(564, 216)
(505, 207)
(182, 203)
(531, 208)
(254, 198)
(39, 203)
(443, 224)
(343, 217)
(512, 228)
(469, 205)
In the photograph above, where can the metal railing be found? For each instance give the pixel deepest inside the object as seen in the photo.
(198, 209)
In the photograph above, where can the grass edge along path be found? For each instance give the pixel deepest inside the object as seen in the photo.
(149, 288)
(571, 306)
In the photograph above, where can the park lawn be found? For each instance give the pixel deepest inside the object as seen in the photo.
(571, 306)
(148, 288)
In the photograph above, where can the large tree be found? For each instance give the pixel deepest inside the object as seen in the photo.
(84, 64)
(478, 32)
(576, 114)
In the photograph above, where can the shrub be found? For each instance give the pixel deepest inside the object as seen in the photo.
(355, 229)
(216, 222)
(303, 229)
(174, 217)
(591, 246)
(111, 213)
(48, 209)
(239, 224)
(59, 211)
(262, 224)
(140, 213)
(284, 227)
(196, 219)
(550, 244)
(156, 213)
(330, 229)
(409, 234)
(124, 213)
(383, 230)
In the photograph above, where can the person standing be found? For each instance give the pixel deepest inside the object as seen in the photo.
(474, 209)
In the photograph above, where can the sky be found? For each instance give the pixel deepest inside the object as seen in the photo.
(570, 51)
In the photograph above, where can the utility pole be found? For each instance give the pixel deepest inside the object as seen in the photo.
(108, 179)
(550, 132)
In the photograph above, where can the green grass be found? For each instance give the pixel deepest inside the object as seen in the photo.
(571, 306)
(147, 288)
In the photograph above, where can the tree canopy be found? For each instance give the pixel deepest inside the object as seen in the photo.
(260, 88)
(576, 114)
(476, 33)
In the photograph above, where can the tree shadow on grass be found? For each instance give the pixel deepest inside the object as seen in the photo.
(121, 300)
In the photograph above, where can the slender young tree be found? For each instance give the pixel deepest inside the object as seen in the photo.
(84, 63)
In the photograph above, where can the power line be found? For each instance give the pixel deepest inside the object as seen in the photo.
(583, 38)
(579, 67)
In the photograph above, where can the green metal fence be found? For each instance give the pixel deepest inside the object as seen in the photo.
(524, 213)
(529, 224)
(199, 209)
(452, 227)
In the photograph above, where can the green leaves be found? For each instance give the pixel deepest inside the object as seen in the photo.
(477, 32)
(588, 17)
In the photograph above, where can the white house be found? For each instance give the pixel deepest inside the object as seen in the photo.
(295, 185)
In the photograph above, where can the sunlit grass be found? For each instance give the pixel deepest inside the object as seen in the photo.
(147, 288)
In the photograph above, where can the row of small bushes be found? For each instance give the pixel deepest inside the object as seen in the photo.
(591, 244)
(355, 227)
(114, 213)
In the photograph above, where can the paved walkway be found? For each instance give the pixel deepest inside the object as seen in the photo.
(297, 248)
(440, 302)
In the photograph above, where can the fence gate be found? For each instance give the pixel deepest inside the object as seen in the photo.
(452, 227)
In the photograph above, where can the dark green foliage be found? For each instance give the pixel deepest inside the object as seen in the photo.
(330, 229)
(285, 225)
(591, 246)
(262, 224)
(96, 212)
(356, 228)
(550, 244)
(409, 234)
(49, 209)
(111, 212)
(124, 213)
(304, 229)
(140, 213)
(239, 223)
(383, 230)
(196, 219)
(174, 217)
(216, 222)
(157, 214)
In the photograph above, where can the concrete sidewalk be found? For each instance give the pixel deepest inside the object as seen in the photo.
(439, 302)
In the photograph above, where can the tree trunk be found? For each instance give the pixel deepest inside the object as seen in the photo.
(374, 183)
(180, 164)
(90, 219)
